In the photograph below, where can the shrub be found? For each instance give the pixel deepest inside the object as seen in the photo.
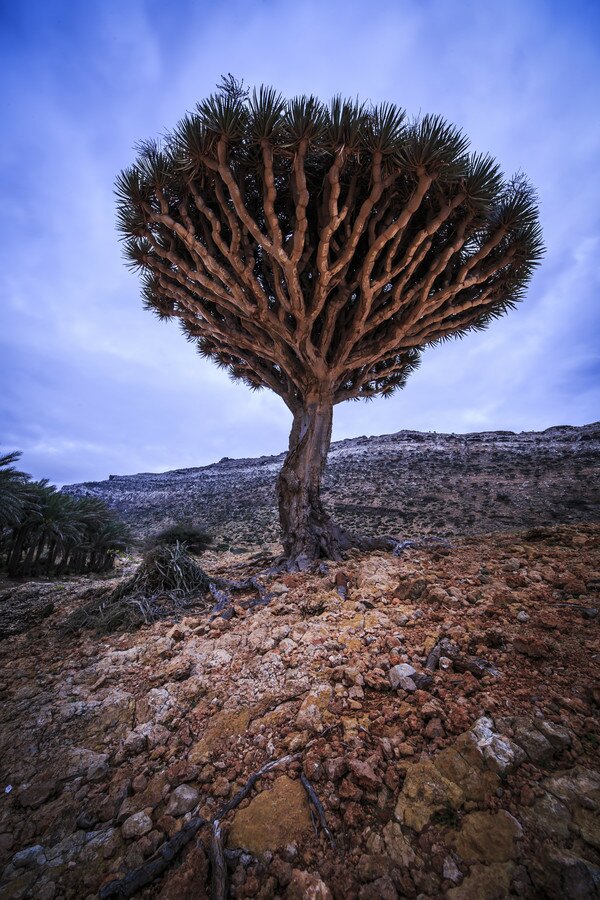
(196, 541)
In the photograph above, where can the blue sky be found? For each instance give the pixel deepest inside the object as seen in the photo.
(90, 384)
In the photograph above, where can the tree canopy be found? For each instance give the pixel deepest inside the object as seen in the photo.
(302, 244)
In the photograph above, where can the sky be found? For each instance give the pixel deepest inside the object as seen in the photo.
(92, 385)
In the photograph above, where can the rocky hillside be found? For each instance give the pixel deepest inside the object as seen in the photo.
(431, 732)
(404, 483)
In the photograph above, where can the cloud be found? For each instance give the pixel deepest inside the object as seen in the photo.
(92, 384)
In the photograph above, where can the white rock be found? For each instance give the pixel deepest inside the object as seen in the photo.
(183, 799)
(403, 670)
(136, 826)
(450, 871)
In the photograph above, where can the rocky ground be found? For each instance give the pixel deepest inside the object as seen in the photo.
(445, 712)
(403, 484)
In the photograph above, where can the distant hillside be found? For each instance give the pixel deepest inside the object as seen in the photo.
(405, 483)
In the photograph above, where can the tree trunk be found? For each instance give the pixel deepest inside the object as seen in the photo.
(308, 533)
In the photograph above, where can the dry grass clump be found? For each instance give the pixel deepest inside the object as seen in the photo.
(168, 582)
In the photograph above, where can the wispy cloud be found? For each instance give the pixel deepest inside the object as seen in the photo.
(92, 384)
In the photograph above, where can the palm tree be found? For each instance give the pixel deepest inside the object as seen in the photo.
(43, 530)
(13, 490)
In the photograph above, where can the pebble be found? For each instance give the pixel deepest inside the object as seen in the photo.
(522, 616)
(182, 800)
(29, 857)
(400, 672)
(136, 826)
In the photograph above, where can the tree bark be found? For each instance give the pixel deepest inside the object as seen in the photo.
(308, 533)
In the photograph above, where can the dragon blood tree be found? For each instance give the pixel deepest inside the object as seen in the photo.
(314, 250)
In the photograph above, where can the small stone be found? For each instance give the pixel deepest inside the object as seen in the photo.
(382, 888)
(522, 616)
(136, 826)
(30, 857)
(397, 846)
(307, 886)
(450, 871)
(278, 589)
(335, 768)
(183, 799)
(364, 774)
(401, 672)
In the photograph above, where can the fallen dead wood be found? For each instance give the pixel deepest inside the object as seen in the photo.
(167, 852)
(156, 865)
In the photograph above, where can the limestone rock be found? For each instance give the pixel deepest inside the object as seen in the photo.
(559, 874)
(275, 818)
(398, 674)
(498, 752)
(548, 816)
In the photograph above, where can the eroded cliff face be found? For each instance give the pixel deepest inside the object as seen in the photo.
(403, 484)
(444, 708)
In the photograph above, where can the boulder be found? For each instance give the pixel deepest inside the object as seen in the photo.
(484, 883)
(274, 819)
(487, 837)
(426, 792)
(476, 782)
(30, 857)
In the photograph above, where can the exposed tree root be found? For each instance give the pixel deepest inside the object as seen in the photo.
(156, 865)
(335, 550)
(168, 582)
(217, 863)
(318, 806)
(167, 852)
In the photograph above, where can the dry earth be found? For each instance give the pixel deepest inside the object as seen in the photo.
(475, 778)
